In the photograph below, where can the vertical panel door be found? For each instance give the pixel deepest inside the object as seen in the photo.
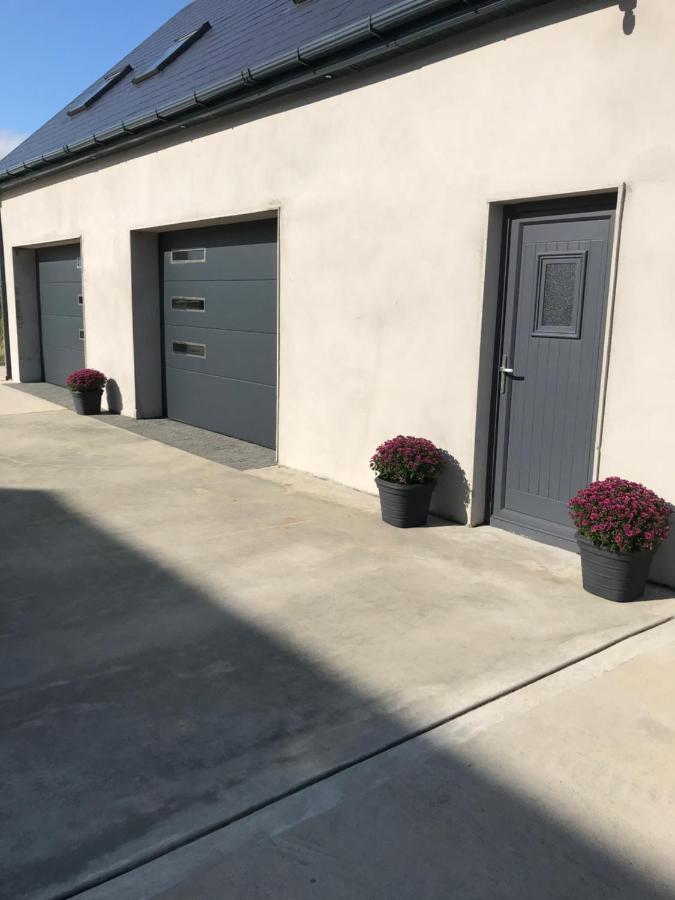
(550, 364)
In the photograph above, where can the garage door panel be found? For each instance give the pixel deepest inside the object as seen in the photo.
(237, 305)
(62, 333)
(236, 234)
(60, 299)
(59, 363)
(240, 409)
(246, 263)
(59, 264)
(246, 251)
(243, 355)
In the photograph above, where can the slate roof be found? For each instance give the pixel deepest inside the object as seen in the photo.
(243, 34)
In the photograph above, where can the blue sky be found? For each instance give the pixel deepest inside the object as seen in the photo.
(53, 49)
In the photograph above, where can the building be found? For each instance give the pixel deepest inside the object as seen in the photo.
(314, 225)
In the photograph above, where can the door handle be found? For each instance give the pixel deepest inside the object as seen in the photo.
(504, 370)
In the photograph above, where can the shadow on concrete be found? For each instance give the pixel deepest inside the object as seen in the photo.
(139, 712)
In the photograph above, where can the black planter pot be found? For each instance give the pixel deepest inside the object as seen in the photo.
(614, 576)
(405, 505)
(87, 403)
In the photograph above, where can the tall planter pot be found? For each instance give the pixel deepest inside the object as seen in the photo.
(614, 576)
(405, 505)
(87, 403)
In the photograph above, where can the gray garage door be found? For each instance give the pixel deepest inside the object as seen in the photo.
(220, 329)
(61, 323)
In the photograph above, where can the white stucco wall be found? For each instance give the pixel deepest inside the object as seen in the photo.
(383, 195)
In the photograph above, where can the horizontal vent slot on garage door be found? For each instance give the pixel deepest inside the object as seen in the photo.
(185, 348)
(188, 304)
(197, 255)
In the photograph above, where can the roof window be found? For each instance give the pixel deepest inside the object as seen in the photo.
(180, 45)
(100, 88)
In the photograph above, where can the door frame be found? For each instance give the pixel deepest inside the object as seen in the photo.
(609, 202)
(39, 316)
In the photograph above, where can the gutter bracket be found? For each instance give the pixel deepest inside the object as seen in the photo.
(303, 62)
(375, 33)
(247, 78)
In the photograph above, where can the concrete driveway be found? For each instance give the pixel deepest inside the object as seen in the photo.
(563, 790)
(183, 643)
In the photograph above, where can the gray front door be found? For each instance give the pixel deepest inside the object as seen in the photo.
(553, 327)
(61, 306)
(219, 312)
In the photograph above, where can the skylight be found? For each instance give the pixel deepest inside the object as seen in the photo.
(103, 86)
(180, 45)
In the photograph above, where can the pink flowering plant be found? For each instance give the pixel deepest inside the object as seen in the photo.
(621, 516)
(407, 460)
(86, 380)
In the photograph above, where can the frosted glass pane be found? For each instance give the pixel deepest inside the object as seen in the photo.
(558, 301)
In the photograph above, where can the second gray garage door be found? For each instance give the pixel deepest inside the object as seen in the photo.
(220, 329)
(61, 326)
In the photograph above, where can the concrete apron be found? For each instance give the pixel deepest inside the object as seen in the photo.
(183, 642)
(563, 789)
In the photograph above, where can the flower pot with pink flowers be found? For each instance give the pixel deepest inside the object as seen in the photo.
(407, 468)
(86, 386)
(620, 525)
